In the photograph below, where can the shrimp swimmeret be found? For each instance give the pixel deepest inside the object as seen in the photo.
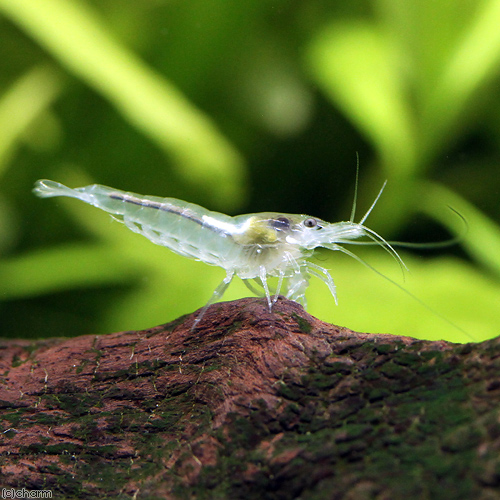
(251, 246)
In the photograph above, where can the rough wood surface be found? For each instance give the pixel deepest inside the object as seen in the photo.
(251, 405)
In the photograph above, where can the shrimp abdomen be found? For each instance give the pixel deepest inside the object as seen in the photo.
(185, 228)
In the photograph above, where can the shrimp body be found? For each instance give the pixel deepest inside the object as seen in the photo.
(251, 246)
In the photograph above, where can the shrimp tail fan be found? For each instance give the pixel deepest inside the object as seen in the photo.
(47, 189)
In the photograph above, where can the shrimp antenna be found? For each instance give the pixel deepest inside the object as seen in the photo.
(374, 203)
(435, 244)
(438, 244)
(354, 203)
(353, 211)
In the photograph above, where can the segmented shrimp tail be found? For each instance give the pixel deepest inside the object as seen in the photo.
(46, 189)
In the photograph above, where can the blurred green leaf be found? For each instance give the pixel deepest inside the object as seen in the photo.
(481, 237)
(73, 33)
(474, 60)
(62, 268)
(22, 104)
(357, 66)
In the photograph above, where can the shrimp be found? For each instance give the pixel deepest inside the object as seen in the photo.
(252, 246)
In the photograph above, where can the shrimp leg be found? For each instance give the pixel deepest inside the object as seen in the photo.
(263, 279)
(297, 285)
(261, 293)
(325, 276)
(218, 293)
(278, 286)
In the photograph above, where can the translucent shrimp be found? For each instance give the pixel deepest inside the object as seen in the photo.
(252, 246)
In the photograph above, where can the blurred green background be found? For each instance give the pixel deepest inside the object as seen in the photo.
(242, 107)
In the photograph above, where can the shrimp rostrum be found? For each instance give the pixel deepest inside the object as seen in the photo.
(254, 247)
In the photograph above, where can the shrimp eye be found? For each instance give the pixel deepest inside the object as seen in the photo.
(281, 223)
(311, 222)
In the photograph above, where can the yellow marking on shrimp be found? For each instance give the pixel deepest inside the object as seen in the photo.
(256, 232)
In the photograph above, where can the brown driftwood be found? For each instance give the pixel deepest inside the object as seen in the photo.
(251, 405)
